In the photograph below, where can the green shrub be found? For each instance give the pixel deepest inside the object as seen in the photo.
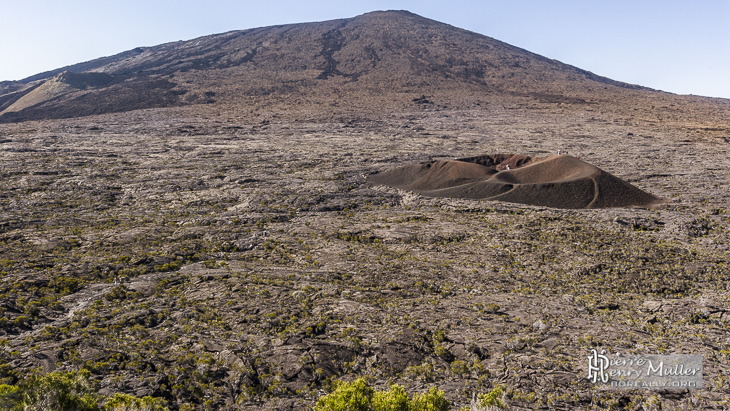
(433, 400)
(354, 396)
(10, 395)
(443, 353)
(117, 293)
(424, 372)
(68, 391)
(125, 402)
(460, 368)
(65, 285)
(358, 396)
(492, 400)
(395, 399)
(32, 309)
(55, 391)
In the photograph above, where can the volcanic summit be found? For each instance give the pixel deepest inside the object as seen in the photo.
(381, 59)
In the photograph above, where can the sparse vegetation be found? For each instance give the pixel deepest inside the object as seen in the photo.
(358, 396)
(69, 391)
(232, 256)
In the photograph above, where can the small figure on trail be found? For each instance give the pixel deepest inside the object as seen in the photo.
(116, 281)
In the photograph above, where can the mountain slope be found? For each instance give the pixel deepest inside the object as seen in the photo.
(375, 54)
(369, 45)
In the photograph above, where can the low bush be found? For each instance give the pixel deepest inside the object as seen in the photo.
(69, 391)
(358, 396)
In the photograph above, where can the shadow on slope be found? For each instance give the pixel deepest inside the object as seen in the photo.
(68, 95)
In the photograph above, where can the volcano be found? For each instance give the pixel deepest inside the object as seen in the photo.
(559, 181)
(388, 56)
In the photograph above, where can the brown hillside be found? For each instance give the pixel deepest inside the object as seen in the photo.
(560, 181)
(389, 59)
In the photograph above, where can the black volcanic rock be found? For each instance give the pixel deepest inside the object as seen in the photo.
(232, 255)
(378, 53)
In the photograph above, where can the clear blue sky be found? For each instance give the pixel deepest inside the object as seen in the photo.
(677, 46)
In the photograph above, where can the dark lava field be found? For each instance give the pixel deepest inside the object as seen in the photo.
(219, 246)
